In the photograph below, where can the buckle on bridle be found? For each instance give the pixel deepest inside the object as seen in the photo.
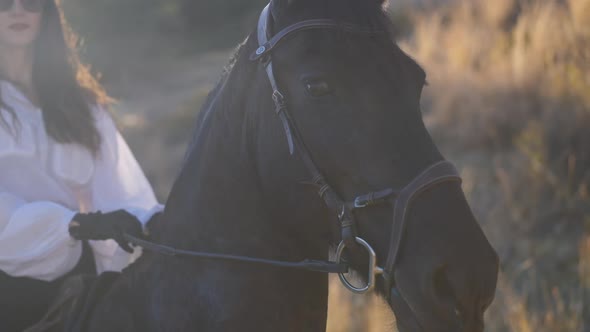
(361, 203)
(279, 99)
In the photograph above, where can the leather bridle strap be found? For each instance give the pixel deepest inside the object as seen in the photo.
(434, 175)
(294, 141)
(307, 264)
(267, 46)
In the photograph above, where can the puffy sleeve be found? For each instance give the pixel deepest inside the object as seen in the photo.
(34, 239)
(118, 183)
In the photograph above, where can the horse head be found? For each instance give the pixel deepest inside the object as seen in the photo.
(347, 125)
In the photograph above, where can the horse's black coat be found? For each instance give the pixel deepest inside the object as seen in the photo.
(240, 192)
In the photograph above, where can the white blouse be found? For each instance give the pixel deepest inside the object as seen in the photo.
(43, 184)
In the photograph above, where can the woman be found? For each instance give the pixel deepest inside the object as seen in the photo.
(61, 161)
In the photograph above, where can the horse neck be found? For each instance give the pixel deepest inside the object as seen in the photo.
(217, 205)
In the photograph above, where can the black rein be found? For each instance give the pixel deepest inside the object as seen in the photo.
(307, 264)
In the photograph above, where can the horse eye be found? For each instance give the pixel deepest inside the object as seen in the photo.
(318, 88)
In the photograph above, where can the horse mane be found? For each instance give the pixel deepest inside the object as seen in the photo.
(224, 95)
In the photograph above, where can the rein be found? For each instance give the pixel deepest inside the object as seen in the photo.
(307, 264)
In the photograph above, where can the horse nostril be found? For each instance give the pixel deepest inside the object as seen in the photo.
(445, 295)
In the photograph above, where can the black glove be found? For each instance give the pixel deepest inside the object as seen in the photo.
(104, 226)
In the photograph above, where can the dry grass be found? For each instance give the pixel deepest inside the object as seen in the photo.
(509, 101)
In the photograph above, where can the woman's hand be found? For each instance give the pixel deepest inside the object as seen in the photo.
(113, 225)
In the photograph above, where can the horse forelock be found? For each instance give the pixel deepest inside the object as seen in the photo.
(370, 15)
(367, 13)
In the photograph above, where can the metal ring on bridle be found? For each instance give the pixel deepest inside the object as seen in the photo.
(373, 268)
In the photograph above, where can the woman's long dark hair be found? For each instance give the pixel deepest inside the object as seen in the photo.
(65, 88)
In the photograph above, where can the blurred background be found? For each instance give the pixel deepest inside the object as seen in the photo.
(508, 101)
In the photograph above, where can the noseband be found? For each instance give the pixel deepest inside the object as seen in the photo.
(434, 175)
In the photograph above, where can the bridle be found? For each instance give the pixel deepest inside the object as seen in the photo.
(434, 175)
(438, 173)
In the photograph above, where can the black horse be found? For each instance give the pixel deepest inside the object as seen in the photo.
(350, 113)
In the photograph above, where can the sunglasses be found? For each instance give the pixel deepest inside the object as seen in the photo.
(32, 6)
